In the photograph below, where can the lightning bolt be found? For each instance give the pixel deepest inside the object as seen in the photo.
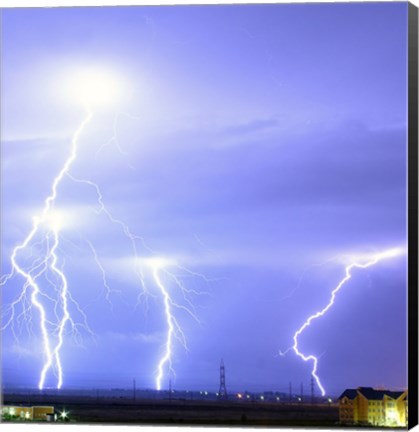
(171, 323)
(362, 263)
(47, 266)
(174, 329)
(45, 220)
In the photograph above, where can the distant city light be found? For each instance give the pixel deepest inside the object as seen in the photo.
(239, 395)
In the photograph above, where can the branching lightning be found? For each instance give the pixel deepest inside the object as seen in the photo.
(39, 260)
(125, 229)
(174, 330)
(362, 263)
(48, 221)
(171, 323)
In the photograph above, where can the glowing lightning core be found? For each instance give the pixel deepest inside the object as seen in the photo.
(365, 263)
(47, 218)
(170, 327)
(96, 90)
(174, 329)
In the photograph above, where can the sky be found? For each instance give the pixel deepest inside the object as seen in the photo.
(254, 151)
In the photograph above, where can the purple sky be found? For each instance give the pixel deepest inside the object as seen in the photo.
(258, 142)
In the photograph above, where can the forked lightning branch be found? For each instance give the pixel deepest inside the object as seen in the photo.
(362, 262)
(38, 263)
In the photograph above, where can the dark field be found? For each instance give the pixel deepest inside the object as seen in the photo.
(147, 411)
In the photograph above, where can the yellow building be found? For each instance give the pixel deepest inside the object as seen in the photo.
(29, 413)
(366, 405)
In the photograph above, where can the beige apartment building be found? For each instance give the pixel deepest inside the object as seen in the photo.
(366, 405)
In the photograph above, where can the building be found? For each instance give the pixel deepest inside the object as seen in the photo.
(366, 405)
(29, 413)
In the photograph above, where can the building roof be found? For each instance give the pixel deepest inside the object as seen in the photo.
(373, 394)
(349, 393)
(370, 393)
(394, 394)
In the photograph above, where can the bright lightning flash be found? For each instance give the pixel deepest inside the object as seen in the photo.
(95, 87)
(46, 224)
(45, 269)
(93, 90)
(362, 262)
(174, 330)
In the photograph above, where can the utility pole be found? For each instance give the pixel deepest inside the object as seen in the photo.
(134, 388)
(170, 389)
(312, 390)
(222, 393)
(290, 392)
(302, 392)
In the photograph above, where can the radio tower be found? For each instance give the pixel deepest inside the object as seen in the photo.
(222, 393)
